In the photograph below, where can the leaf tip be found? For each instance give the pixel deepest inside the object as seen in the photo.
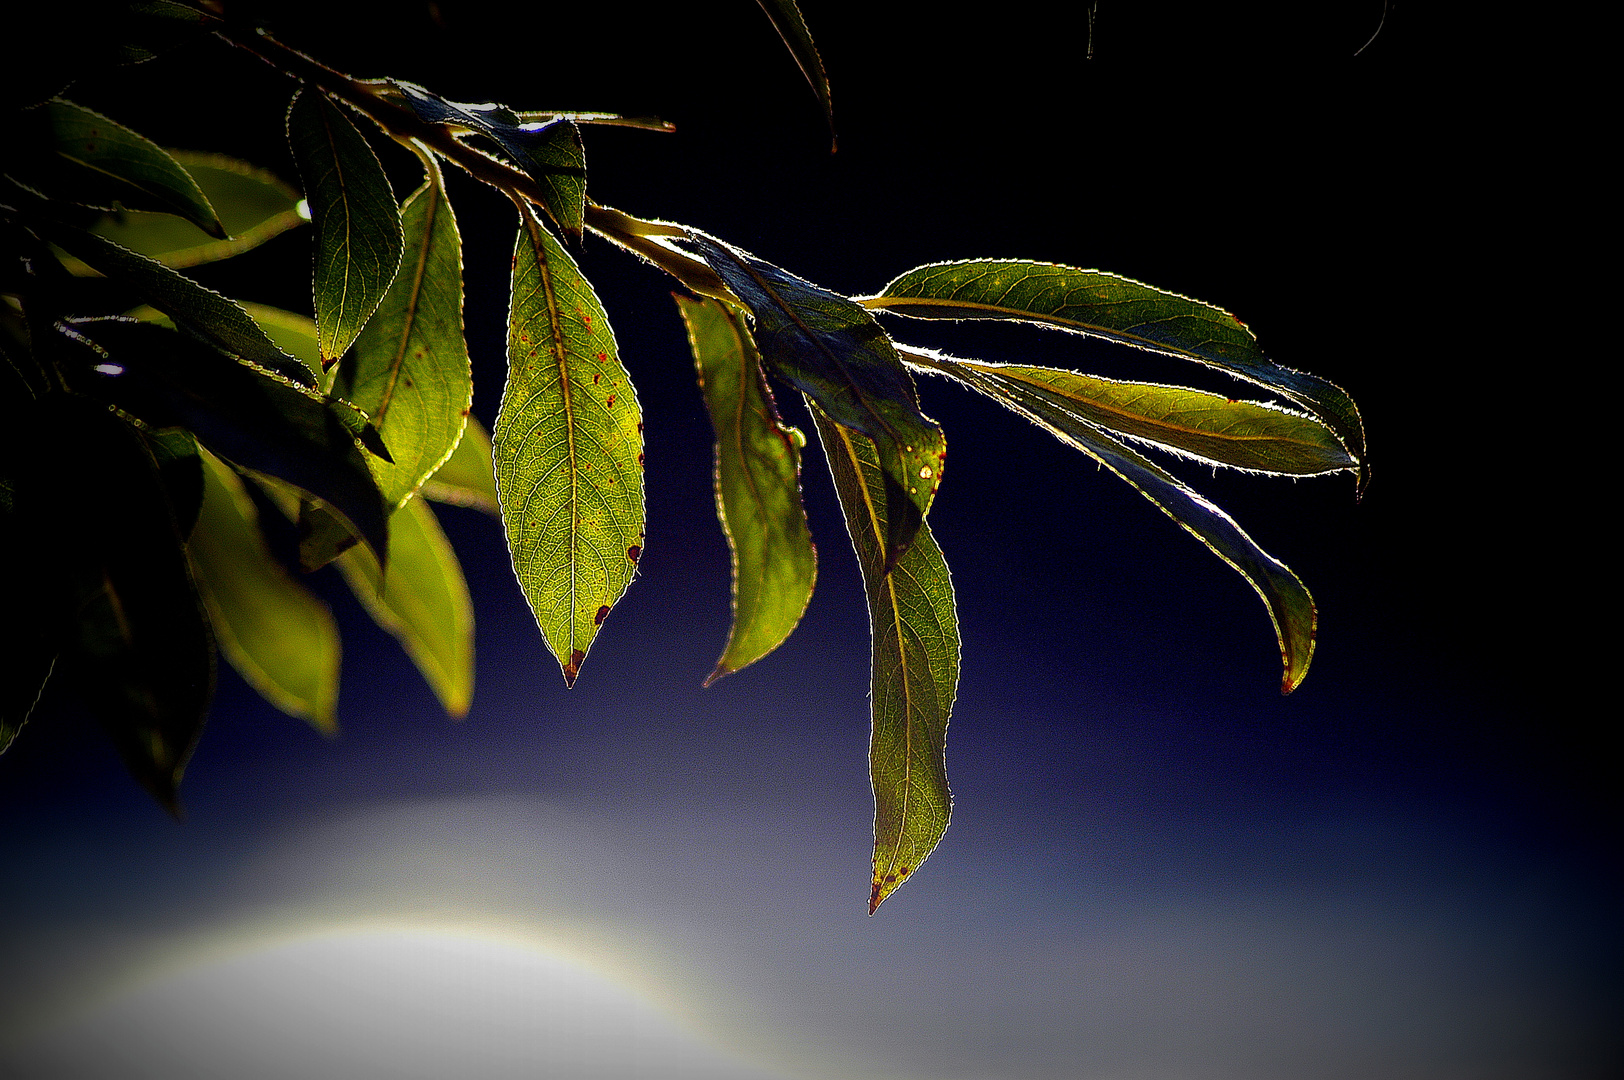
(721, 670)
(573, 667)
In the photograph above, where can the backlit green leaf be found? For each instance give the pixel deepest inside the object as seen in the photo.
(832, 350)
(358, 241)
(1289, 604)
(915, 636)
(293, 333)
(549, 151)
(409, 368)
(1120, 309)
(253, 205)
(568, 450)
(423, 600)
(68, 152)
(468, 478)
(791, 26)
(1252, 435)
(758, 487)
(274, 631)
(240, 412)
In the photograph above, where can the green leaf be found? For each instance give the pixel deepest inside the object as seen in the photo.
(1290, 606)
(274, 631)
(791, 26)
(915, 635)
(423, 600)
(568, 449)
(549, 151)
(758, 487)
(201, 312)
(112, 585)
(240, 412)
(72, 154)
(409, 369)
(832, 350)
(1119, 309)
(358, 241)
(254, 206)
(181, 470)
(468, 478)
(1252, 435)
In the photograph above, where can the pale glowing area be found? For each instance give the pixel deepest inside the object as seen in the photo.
(396, 1003)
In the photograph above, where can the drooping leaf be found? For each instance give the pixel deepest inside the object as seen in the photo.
(253, 205)
(1251, 435)
(791, 26)
(358, 241)
(201, 312)
(423, 600)
(1119, 309)
(110, 583)
(468, 478)
(1290, 606)
(832, 350)
(568, 450)
(240, 412)
(69, 153)
(914, 628)
(281, 639)
(549, 151)
(409, 369)
(758, 487)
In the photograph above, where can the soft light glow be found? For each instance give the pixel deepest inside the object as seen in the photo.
(397, 1003)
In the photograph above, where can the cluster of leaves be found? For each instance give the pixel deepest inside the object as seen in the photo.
(143, 447)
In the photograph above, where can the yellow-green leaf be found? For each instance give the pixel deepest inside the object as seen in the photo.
(568, 450)
(915, 635)
(409, 369)
(758, 487)
(278, 635)
(423, 600)
(1109, 306)
(1290, 606)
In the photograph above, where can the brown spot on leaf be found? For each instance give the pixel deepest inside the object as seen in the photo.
(611, 402)
(596, 375)
(640, 459)
(634, 553)
(603, 613)
(573, 668)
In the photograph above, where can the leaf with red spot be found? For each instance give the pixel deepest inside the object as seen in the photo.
(569, 474)
(915, 676)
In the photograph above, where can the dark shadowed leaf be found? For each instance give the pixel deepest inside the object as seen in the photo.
(409, 369)
(253, 205)
(358, 240)
(832, 350)
(281, 639)
(1218, 430)
(915, 636)
(1120, 309)
(293, 333)
(422, 600)
(73, 154)
(1289, 604)
(468, 478)
(568, 450)
(103, 544)
(758, 487)
(181, 469)
(241, 413)
(201, 312)
(791, 26)
(549, 151)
